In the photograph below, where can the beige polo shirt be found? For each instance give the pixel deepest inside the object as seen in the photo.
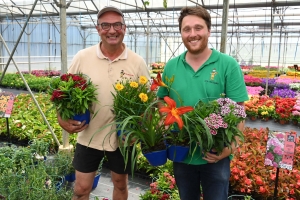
(105, 73)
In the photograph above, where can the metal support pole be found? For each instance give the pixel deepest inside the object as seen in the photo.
(270, 49)
(279, 50)
(252, 48)
(135, 40)
(224, 26)
(49, 47)
(18, 40)
(7, 128)
(147, 44)
(28, 47)
(276, 184)
(63, 53)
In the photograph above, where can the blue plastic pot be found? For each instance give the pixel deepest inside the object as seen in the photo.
(70, 177)
(157, 158)
(81, 117)
(96, 180)
(177, 153)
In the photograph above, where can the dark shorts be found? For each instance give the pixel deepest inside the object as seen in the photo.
(87, 160)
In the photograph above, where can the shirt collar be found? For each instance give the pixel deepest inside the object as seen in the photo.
(212, 58)
(123, 56)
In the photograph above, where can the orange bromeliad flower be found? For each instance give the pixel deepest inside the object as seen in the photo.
(173, 113)
(157, 82)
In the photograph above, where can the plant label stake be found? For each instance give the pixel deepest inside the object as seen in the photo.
(280, 152)
(6, 106)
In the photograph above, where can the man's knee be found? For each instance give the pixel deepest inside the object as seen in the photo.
(120, 181)
(81, 190)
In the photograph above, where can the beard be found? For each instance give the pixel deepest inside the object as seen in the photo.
(199, 48)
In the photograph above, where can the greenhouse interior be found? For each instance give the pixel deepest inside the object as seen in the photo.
(40, 38)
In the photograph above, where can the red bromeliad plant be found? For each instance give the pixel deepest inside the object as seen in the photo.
(72, 94)
(283, 108)
(249, 175)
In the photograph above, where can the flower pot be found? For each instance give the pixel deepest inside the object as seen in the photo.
(96, 180)
(81, 117)
(282, 121)
(70, 177)
(239, 197)
(177, 153)
(295, 122)
(54, 181)
(96, 197)
(265, 119)
(253, 118)
(156, 158)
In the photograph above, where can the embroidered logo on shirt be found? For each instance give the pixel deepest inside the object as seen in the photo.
(213, 74)
(122, 74)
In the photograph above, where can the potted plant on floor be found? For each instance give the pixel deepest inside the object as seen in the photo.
(40, 148)
(98, 174)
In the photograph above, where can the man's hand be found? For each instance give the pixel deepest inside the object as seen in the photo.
(214, 158)
(70, 125)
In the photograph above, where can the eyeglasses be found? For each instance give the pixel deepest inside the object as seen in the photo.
(106, 26)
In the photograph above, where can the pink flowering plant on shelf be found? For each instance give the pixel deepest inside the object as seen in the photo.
(72, 94)
(221, 117)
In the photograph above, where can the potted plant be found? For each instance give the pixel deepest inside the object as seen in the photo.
(221, 116)
(98, 174)
(283, 109)
(72, 95)
(163, 187)
(131, 97)
(296, 111)
(40, 148)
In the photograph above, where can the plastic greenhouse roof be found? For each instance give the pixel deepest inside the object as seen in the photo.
(249, 17)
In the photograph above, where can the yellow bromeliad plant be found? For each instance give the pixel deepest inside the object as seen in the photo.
(266, 107)
(131, 97)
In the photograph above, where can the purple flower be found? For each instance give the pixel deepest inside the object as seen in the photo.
(284, 93)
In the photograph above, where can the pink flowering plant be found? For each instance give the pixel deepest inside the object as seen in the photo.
(221, 117)
(274, 149)
(72, 94)
(163, 188)
(296, 110)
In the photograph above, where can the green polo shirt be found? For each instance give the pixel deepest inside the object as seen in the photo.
(219, 74)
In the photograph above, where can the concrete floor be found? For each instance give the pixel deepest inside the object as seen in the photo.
(136, 186)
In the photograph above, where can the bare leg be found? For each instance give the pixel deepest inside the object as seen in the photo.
(120, 186)
(83, 185)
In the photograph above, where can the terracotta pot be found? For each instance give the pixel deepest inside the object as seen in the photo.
(253, 118)
(282, 121)
(295, 122)
(265, 119)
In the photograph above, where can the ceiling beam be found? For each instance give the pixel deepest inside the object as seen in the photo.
(267, 25)
(161, 9)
